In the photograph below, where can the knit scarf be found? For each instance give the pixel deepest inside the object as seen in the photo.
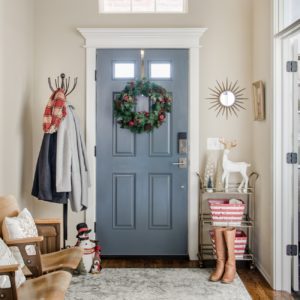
(55, 111)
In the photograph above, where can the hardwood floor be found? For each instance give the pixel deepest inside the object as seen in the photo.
(255, 283)
(258, 287)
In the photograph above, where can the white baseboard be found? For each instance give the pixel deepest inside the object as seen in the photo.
(264, 273)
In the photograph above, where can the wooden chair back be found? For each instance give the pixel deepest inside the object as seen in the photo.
(8, 208)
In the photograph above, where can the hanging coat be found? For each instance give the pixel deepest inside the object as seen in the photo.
(44, 184)
(72, 173)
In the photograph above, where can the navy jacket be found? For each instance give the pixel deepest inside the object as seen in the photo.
(44, 184)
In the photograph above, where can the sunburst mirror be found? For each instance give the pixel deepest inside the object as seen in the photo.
(227, 98)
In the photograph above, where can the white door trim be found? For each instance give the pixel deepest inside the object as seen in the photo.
(187, 38)
(282, 172)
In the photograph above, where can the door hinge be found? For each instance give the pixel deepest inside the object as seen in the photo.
(95, 75)
(95, 227)
(95, 151)
(292, 66)
(291, 250)
(291, 158)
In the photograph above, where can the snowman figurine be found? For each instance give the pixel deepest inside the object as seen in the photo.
(96, 267)
(88, 246)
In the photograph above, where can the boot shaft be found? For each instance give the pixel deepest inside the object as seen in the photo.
(229, 237)
(230, 268)
(220, 243)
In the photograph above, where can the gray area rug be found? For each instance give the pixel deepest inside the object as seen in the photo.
(154, 284)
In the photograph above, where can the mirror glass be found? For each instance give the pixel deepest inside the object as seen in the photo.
(227, 98)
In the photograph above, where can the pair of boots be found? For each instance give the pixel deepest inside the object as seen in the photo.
(224, 243)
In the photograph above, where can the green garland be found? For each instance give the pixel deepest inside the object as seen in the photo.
(142, 121)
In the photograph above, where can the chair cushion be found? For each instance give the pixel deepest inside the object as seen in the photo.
(7, 258)
(18, 227)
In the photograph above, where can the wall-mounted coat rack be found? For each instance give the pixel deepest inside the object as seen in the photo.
(64, 83)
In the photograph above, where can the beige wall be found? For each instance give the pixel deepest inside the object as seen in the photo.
(1, 90)
(16, 91)
(262, 134)
(226, 52)
(236, 46)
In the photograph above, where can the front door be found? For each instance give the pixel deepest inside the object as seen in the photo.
(141, 188)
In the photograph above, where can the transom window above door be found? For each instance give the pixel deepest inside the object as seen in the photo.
(143, 6)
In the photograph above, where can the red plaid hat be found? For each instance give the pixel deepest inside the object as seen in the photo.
(55, 111)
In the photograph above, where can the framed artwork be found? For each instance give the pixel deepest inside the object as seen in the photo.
(258, 91)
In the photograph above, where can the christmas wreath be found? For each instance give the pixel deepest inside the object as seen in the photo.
(142, 121)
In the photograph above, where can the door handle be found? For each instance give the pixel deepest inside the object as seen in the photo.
(182, 163)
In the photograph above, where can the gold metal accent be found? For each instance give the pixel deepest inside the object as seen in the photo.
(142, 64)
(219, 92)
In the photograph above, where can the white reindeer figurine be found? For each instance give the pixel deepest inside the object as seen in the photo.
(231, 167)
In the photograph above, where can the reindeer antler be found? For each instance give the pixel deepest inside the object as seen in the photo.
(228, 144)
(233, 144)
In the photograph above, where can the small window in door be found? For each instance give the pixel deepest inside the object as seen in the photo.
(160, 70)
(123, 70)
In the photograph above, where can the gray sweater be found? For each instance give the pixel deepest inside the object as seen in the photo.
(72, 173)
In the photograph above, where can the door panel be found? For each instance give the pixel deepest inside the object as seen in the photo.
(160, 204)
(124, 203)
(161, 140)
(123, 142)
(141, 195)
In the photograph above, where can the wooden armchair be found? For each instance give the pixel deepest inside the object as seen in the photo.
(38, 263)
(50, 286)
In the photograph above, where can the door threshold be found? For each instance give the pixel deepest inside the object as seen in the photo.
(147, 257)
(147, 261)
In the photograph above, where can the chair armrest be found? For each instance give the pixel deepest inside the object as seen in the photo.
(47, 221)
(32, 261)
(9, 293)
(8, 268)
(27, 240)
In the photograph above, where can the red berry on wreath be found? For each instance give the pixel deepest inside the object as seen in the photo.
(125, 98)
(131, 123)
(161, 117)
(146, 114)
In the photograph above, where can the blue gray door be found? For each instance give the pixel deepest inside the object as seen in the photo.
(141, 188)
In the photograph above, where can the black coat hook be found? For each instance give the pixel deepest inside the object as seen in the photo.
(63, 83)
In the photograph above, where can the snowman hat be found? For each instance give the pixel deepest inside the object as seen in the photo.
(82, 228)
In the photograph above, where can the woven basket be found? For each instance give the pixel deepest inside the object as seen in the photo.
(240, 243)
(224, 213)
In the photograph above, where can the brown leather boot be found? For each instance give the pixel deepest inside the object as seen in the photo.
(230, 269)
(221, 255)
